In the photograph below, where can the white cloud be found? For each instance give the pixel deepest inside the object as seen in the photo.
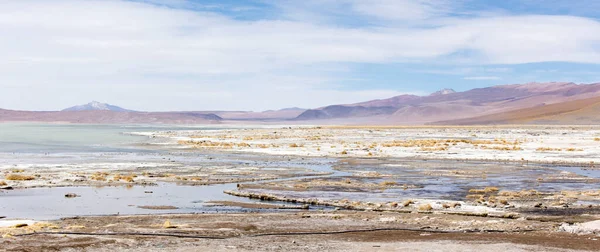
(56, 53)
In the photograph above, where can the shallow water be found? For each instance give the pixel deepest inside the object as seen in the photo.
(583, 171)
(434, 179)
(69, 146)
(82, 138)
(85, 145)
(51, 203)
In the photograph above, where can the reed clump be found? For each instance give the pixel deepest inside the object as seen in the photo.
(19, 177)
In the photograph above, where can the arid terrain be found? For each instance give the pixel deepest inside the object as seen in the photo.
(314, 188)
(548, 144)
(291, 125)
(302, 231)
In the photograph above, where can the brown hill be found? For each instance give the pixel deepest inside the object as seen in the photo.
(443, 106)
(584, 111)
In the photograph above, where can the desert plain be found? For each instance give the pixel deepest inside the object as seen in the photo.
(313, 188)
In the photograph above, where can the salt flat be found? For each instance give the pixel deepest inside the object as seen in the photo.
(547, 144)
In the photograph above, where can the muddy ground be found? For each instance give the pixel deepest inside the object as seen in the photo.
(301, 231)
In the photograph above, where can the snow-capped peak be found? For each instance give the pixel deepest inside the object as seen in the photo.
(95, 105)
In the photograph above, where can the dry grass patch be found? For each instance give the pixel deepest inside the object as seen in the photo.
(491, 189)
(389, 183)
(544, 149)
(18, 177)
(2, 183)
(573, 149)
(126, 178)
(425, 207)
(441, 148)
(99, 176)
(168, 224)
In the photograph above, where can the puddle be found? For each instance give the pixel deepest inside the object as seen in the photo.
(448, 180)
(582, 171)
(51, 203)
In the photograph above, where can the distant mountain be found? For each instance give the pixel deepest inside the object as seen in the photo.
(531, 103)
(577, 112)
(94, 106)
(444, 91)
(109, 117)
(395, 101)
(292, 109)
(339, 111)
(447, 104)
(269, 115)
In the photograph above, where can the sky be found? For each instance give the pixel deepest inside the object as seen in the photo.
(168, 55)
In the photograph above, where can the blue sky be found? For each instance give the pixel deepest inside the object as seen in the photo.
(263, 54)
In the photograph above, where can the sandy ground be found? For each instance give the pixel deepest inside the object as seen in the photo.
(302, 231)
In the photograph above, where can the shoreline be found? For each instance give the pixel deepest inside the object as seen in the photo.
(401, 191)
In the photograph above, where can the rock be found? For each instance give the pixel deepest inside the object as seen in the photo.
(20, 225)
(387, 219)
(592, 227)
(71, 195)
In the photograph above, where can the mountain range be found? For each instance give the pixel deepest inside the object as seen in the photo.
(455, 107)
(531, 103)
